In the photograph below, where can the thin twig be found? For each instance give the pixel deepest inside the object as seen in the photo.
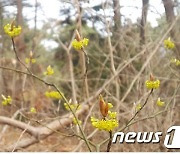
(140, 108)
(20, 138)
(53, 85)
(110, 141)
(14, 48)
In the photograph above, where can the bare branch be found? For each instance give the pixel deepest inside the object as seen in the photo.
(21, 125)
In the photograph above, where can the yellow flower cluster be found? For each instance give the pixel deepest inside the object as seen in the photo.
(30, 60)
(33, 110)
(107, 125)
(152, 84)
(175, 61)
(49, 71)
(75, 121)
(138, 107)
(12, 30)
(78, 45)
(112, 115)
(168, 44)
(109, 122)
(7, 100)
(160, 103)
(72, 106)
(53, 94)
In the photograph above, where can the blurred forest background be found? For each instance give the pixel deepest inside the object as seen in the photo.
(122, 55)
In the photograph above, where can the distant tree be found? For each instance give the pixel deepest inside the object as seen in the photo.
(20, 21)
(1, 28)
(117, 15)
(170, 17)
(145, 4)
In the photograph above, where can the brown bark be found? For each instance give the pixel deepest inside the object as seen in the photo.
(117, 15)
(117, 46)
(169, 10)
(1, 29)
(19, 41)
(19, 12)
(170, 17)
(83, 59)
(35, 26)
(145, 4)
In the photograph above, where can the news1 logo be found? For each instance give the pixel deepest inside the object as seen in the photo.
(175, 143)
(146, 137)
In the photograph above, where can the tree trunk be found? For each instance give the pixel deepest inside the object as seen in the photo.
(117, 15)
(117, 27)
(170, 17)
(35, 26)
(20, 44)
(1, 29)
(145, 4)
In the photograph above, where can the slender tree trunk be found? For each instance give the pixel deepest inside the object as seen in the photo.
(117, 15)
(1, 30)
(82, 55)
(2, 81)
(19, 12)
(20, 44)
(145, 4)
(35, 25)
(117, 27)
(170, 17)
(116, 34)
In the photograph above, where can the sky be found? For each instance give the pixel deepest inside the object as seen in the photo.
(130, 9)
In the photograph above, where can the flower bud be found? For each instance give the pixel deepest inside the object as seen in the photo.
(78, 37)
(151, 77)
(103, 106)
(31, 54)
(12, 25)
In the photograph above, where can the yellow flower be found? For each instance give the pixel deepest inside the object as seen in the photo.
(85, 42)
(152, 84)
(12, 30)
(75, 121)
(30, 60)
(49, 71)
(168, 44)
(160, 103)
(33, 110)
(53, 94)
(110, 106)
(138, 107)
(112, 115)
(109, 122)
(176, 61)
(72, 106)
(107, 125)
(7, 100)
(78, 45)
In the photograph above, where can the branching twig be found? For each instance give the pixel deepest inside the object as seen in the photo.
(85, 107)
(16, 54)
(53, 85)
(148, 60)
(140, 108)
